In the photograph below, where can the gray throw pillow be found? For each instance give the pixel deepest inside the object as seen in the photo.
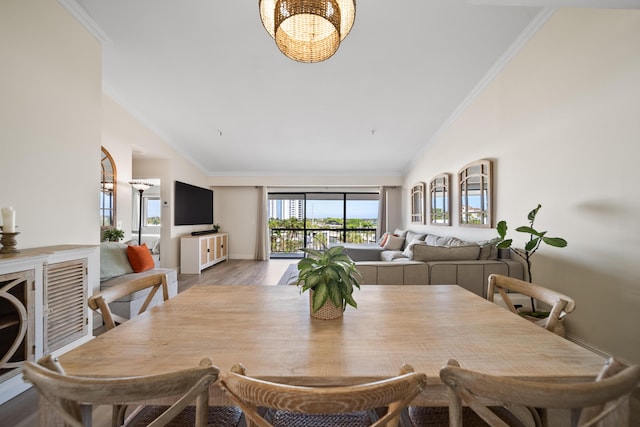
(433, 240)
(113, 260)
(488, 249)
(399, 232)
(408, 251)
(422, 252)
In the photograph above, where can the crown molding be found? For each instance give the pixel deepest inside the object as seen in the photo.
(83, 17)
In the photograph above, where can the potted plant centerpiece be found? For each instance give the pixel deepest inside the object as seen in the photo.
(536, 238)
(112, 235)
(330, 277)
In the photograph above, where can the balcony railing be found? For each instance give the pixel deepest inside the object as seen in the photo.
(286, 242)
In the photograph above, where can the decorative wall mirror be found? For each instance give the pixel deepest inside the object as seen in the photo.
(417, 203)
(439, 200)
(108, 190)
(476, 204)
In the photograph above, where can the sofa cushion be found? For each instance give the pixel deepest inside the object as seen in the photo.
(383, 239)
(399, 232)
(433, 240)
(424, 252)
(391, 255)
(411, 236)
(394, 243)
(488, 249)
(408, 250)
(361, 251)
(140, 258)
(172, 283)
(113, 260)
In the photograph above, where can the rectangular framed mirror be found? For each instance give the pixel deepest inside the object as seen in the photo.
(439, 200)
(417, 203)
(476, 204)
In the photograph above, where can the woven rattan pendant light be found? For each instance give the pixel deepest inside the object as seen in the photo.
(308, 30)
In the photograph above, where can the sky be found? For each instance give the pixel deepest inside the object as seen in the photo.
(365, 209)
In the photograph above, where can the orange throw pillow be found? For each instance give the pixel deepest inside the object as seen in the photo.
(140, 258)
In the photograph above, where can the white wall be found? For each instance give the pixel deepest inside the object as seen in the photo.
(50, 93)
(236, 210)
(128, 137)
(236, 206)
(561, 122)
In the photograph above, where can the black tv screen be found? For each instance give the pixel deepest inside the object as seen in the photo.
(193, 205)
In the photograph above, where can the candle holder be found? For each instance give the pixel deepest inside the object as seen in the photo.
(9, 243)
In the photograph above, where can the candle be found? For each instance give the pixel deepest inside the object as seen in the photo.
(8, 220)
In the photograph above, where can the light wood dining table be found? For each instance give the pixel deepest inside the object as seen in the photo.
(268, 329)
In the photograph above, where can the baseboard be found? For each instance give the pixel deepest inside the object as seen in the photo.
(242, 256)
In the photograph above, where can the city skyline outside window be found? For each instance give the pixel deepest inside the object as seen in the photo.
(315, 219)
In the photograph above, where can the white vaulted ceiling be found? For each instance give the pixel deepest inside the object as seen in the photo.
(205, 76)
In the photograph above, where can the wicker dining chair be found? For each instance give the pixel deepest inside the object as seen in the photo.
(268, 404)
(603, 402)
(73, 397)
(560, 304)
(99, 302)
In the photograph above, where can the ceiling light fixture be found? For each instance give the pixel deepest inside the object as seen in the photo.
(308, 30)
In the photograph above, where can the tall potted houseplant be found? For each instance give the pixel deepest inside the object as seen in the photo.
(330, 277)
(536, 238)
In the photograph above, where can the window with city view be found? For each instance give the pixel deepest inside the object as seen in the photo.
(312, 220)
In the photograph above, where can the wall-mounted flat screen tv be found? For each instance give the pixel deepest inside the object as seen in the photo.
(192, 205)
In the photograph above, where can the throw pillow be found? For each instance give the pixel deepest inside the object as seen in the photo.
(412, 235)
(140, 258)
(401, 233)
(488, 249)
(383, 239)
(433, 240)
(422, 252)
(394, 243)
(113, 260)
(390, 255)
(408, 251)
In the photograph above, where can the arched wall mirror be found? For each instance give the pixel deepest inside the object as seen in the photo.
(439, 200)
(476, 204)
(417, 203)
(108, 190)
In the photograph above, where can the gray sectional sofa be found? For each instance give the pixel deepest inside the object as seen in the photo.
(115, 269)
(413, 258)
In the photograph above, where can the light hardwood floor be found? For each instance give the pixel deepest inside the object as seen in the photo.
(238, 272)
(22, 410)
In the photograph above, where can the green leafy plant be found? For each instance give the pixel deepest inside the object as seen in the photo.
(216, 227)
(536, 238)
(331, 275)
(112, 235)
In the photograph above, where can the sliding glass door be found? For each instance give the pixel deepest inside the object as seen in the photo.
(317, 220)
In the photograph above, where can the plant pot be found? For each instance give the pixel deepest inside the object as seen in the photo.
(539, 319)
(504, 253)
(327, 312)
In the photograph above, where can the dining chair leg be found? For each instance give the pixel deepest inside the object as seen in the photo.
(86, 412)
